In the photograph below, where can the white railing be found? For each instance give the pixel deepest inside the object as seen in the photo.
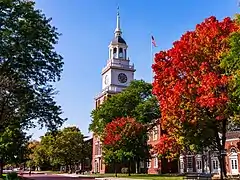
(109, 89)
(118, 65)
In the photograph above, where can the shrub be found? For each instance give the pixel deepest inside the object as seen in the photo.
(124, 170)
(12, 176)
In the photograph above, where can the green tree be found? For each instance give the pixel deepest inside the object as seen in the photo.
(32, 156)
(135, 101)
(13, 146)
(113, 156)
(64, 147)
(28, 66)
(69, 146)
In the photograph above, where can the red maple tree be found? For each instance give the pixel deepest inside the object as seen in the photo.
(189, 82)
(118, 132)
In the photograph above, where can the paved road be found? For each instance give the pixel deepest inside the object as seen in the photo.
(53, 177)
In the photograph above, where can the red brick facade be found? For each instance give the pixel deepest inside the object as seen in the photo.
(233, 152)
(209, 163)
(156, 165)
(98, 165)
(197, 163)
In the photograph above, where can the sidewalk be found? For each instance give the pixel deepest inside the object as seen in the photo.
(115, 178)
(97, 178)
(74, 175)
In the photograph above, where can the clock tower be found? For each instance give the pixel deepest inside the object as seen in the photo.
(116, 75)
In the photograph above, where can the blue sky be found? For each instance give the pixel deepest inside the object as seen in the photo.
(87, 28)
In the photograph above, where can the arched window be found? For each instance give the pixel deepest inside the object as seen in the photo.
(120, 53)
(125, 54)
(233, 150)
(114, 52)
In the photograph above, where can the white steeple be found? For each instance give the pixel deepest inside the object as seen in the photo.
(118, 72)
(118, 31)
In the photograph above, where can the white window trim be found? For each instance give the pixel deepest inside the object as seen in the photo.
(189, 169)
(149, 163)
(155, 135)
(149, 135)
(155, 162)
(141, 164)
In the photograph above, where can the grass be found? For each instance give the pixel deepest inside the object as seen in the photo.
(3, 177)
(141, 176)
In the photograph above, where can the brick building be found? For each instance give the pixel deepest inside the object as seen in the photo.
(116, 75)
(208, 162)
(197, 163)
(159, 165)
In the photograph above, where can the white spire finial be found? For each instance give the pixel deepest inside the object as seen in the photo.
(118, 31)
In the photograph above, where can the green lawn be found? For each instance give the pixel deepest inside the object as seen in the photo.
(142, 176)
(4, 175)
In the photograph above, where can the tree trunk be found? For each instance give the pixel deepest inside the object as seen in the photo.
(203, 163)
(222, 167)
(129, 168)
(115, 169)
(221, 148)
(83, 166)
(1, 166)
(145, 166)
(137, 166)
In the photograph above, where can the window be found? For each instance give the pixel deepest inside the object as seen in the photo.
(120, 53)
(100, 149)
(199, 164)
(233, 150)
(149, 163)
(189, 162)
(215, 164)
(149, 135)
(105, 97)
(87, 162)
(96, 149)
(155, 133)
(181, 165)
(101, 164)
(234, 164)
(114, 52)
(156, 162)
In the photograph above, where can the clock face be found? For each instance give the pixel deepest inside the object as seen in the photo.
(122, 78)
(106, 79)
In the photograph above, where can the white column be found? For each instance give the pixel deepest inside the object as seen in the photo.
(110, 53)
(117, 52)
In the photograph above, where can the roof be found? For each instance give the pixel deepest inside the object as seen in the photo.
(233, 135)
(117, 40)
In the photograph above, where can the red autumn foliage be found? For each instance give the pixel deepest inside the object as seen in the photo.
(188, 77)
(120, 130)
(167, 146)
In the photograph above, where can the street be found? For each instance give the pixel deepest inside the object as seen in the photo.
(53, 177)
